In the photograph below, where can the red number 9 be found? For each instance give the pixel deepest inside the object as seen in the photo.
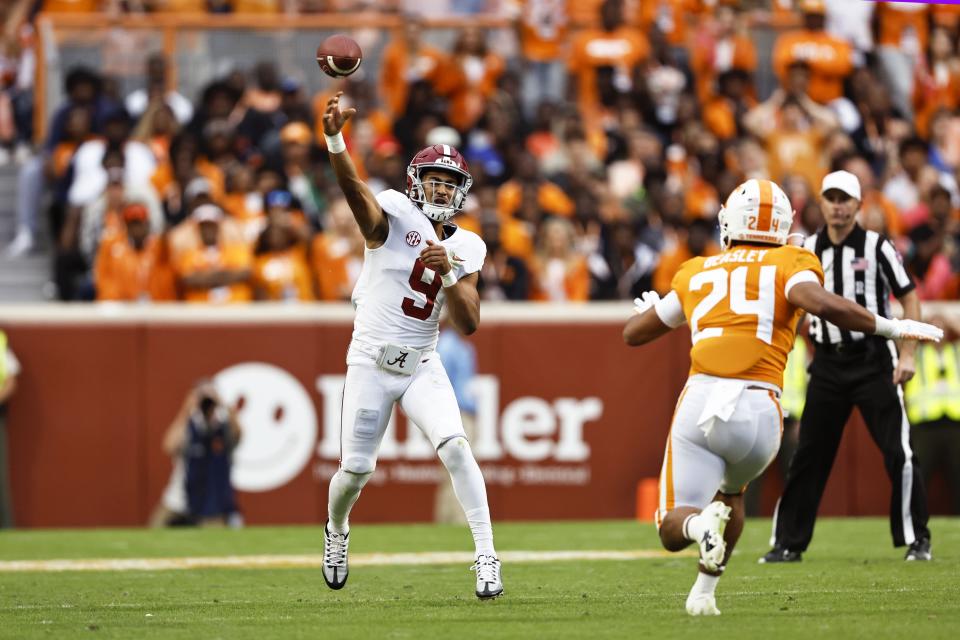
(429, 289)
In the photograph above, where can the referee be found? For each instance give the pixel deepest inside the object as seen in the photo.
(852, 369)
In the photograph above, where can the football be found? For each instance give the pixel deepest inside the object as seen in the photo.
(339, 56)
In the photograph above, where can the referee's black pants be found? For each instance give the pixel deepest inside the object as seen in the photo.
(838, 382)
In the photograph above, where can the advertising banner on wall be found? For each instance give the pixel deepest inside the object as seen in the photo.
(568, 420)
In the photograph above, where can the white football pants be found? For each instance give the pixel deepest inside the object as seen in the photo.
(724, 434)
(426, 397)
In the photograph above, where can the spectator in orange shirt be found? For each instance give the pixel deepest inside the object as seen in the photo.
(559, 271)
(257, 6)
(723, 45)
(185, 236)
(72, 6)
(336, 254)
(603, 62)
(700, 198)
(244, 203)
(475, 71)
(172, 178)
(696, 240)
(945, 15)
(217, 271)
(669, 17)
(503, 276)
(551, 198)
(542, 27)
(937, 80)
(902, 41)
(125, 266)
(280, 270)
(793, 127)
(829, 57)
(516, 234)
(407, 60)
(723, 113)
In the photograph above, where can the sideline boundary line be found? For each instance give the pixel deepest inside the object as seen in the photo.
(316, 560)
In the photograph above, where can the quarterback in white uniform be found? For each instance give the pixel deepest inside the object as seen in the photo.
(415, 264)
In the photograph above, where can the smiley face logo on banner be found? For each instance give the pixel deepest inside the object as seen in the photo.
(278, 420)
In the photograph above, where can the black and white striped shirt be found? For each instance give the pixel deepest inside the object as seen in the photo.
(864, 268)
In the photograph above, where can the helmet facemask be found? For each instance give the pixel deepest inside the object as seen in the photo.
(417, 192)
(447, 160)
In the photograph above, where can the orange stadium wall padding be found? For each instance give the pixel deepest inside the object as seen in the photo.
(569, 419)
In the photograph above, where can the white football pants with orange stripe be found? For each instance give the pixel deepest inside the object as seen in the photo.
(724, 434)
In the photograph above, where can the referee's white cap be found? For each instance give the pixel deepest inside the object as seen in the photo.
(844, 181)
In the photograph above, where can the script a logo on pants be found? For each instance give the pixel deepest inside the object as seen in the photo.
(278, 420)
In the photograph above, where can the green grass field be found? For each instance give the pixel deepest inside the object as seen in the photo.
(852, 584)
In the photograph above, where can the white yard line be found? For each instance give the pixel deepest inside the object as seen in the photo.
(315, 560)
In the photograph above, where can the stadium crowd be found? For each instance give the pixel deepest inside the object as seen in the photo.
(600, 154)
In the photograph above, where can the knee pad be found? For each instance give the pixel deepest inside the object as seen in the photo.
(359, 465)
(455, 452)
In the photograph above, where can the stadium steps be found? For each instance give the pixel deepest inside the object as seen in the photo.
(22, 279)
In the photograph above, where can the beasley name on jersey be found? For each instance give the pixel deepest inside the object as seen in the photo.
(398, 299)
(741, 323)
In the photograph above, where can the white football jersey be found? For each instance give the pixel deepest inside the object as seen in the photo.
(398, 300)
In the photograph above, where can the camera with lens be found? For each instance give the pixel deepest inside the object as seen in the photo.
(207, 404)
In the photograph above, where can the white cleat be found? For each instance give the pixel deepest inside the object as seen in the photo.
(712, 546)
(335, 568)
(489, 585)
(21, 244)
(702, 604)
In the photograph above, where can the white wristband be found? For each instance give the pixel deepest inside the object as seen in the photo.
(449, 278)
(885, 327)
(335, 144)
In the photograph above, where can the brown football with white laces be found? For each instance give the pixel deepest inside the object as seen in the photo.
(339, 56)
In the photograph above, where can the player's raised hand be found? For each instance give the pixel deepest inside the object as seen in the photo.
(333, 117)
(437, 257)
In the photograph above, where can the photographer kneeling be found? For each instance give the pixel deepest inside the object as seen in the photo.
(201, 440)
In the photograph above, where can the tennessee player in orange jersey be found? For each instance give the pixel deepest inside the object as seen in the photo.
(742, 307)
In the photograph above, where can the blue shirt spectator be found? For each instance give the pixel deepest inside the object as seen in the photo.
(459, 358)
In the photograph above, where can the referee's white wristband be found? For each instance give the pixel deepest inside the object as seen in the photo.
(449, 278)
(885, 327)
(335, 144)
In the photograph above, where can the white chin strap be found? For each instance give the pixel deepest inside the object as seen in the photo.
(438, 213)
(798, 235)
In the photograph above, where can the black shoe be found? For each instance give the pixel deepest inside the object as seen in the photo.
(919, 550)
(779, 554)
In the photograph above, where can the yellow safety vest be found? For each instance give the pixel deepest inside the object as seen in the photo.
(934, 392)
(795, 380)
(3, 357)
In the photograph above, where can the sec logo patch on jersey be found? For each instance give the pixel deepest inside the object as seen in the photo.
(413, 238)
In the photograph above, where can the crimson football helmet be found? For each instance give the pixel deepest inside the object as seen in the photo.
(440, 157)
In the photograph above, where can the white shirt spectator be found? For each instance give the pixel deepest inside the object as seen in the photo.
(137, 102)
(90, 178)
(851, 21)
